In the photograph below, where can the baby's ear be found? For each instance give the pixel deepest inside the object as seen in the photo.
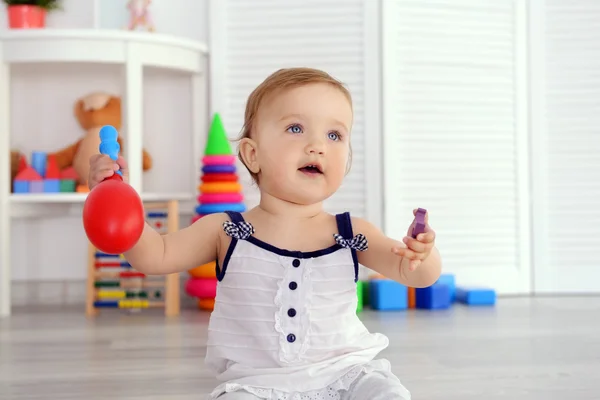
(248, 152)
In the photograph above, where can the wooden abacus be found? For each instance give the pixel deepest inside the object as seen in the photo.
(113, 283)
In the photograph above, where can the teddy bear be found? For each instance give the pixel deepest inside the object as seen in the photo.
(93, 111)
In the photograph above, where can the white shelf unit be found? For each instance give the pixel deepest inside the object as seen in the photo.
(131, 50)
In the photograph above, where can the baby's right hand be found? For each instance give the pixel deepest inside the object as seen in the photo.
(102, 167)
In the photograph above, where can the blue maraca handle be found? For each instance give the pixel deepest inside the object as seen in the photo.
(109, 144)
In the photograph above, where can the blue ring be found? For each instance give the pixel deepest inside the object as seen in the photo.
(219, 208)
(218, 168)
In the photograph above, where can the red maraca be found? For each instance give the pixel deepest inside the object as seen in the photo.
(113, 213)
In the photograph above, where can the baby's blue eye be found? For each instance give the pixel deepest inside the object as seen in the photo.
(333, 136)
(295, 129)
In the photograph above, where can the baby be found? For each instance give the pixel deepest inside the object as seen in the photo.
(284, 325)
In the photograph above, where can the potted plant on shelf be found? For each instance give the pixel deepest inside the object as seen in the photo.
(29, 13)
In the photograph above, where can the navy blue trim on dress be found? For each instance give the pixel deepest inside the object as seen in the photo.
(234, 217)
(294, 253)
(344, 224)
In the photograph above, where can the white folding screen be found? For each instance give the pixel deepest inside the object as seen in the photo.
(456, 133)
(565, 45)
(252, 39)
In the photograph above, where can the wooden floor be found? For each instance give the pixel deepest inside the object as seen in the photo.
(523, 349)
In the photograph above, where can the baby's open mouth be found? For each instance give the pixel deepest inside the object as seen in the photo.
(311, 169)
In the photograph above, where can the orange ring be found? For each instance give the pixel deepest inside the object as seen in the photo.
(206, 304)
(204, 271)
(220, 187)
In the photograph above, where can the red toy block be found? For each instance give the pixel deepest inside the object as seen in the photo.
(28, 174)
(22, 164)
(69, 174)
(52, 170)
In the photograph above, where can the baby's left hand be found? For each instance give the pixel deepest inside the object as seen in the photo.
(418, 249)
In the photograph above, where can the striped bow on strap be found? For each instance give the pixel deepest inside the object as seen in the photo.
(358, 242)
(238, 230)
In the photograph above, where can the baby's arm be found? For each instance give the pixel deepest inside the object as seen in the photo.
(156, 254)
(380, 258)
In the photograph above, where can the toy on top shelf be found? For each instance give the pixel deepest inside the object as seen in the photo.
(113, 213)
(139, 15)
(220, 191)
(42, 176)
(92, 112)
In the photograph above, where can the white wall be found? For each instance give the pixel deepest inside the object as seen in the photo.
(565, 135)
(455, 133)
(551, 127)
(42, 99)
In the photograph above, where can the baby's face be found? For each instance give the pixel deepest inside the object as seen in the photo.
(303, 138)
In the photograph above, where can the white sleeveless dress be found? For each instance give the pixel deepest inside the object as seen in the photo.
(284, 325)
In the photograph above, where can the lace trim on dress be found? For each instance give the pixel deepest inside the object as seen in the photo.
(331, 392)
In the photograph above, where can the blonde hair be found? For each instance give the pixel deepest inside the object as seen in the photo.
(280, 80)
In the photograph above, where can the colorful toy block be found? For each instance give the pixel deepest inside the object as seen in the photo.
(476, 296)
(28, 174)
(434, 297)
(450, 281)
(51, 185)
(21, 186)
(22, 164)
(69, 174)
(52, 170)
(36, 187)
(67, 185)
(365, 293)
(412, 297)
(43, 176)
(39, 162)
(387, 295)
(362, 292)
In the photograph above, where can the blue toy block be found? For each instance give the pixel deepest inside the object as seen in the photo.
(386, 294)
(21, 186)
(52, 185)
(450, 281)
(38, 162)
(476, 296)
(434, 297)
(36, 186)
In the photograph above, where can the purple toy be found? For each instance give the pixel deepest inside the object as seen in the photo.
(419, 222)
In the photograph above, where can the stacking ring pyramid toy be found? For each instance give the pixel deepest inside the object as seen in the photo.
(220, 191)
